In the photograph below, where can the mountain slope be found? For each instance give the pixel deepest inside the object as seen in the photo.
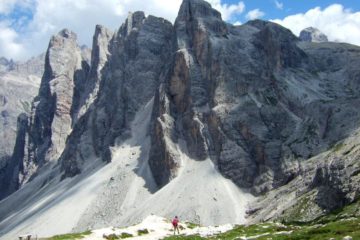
(121, 193)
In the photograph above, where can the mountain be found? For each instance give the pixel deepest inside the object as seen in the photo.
(311, 34)
(19, 83)
(5, 64)
(202, 119)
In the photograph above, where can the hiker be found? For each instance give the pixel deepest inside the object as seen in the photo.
(175, 223)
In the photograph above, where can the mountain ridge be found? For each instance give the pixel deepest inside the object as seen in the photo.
(263, 108)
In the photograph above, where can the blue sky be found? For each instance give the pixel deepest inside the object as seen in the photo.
(291, 7)
(27, 25)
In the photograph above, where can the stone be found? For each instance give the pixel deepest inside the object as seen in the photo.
(19, 84)
(87, 93)
(137, 54)
(311, 34)
(51, 111)
(277, 115)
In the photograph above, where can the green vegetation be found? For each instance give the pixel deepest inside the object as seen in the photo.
(143, 232)
(70, 236)
(351, 211)
(191, 225)
(125, 235)
(192, 237)
(336, 230)
(111, 236)
(337, 225)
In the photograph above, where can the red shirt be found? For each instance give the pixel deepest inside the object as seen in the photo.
(175, 222)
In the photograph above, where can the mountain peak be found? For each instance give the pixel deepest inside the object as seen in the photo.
(66, 33)
(195, 112)
(197, 8)
(312, 34)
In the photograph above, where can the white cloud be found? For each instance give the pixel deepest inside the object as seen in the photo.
(279, 5)
(237, 23)
(254, 14)
(81, 16)
(6, 6)
(8, 42)
(228, 11)
(337, 23)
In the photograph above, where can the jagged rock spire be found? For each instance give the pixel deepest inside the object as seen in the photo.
(51, 120)
(196, 9)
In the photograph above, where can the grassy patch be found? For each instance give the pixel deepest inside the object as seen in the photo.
(125, 235)
(111, 236)
(191, 237)
(143, 232)
(337, 225)
(337, 230)
(70, 236)
(253, 230)
(191, 225)
(349, 211)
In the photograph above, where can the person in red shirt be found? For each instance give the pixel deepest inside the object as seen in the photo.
(175, 223)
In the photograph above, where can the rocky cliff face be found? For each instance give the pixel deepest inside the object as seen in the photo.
(19, 83)
(126, 73)
(52, 119)
(254, 99)
(52, 110)
(99, 57)
(311, 34)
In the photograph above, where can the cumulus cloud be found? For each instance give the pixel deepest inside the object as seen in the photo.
(254, 14)
(80, 16)
(338, 23)
(279, 5)
(50, 16)
(6, 6)
(228, 11)
(9, 41)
